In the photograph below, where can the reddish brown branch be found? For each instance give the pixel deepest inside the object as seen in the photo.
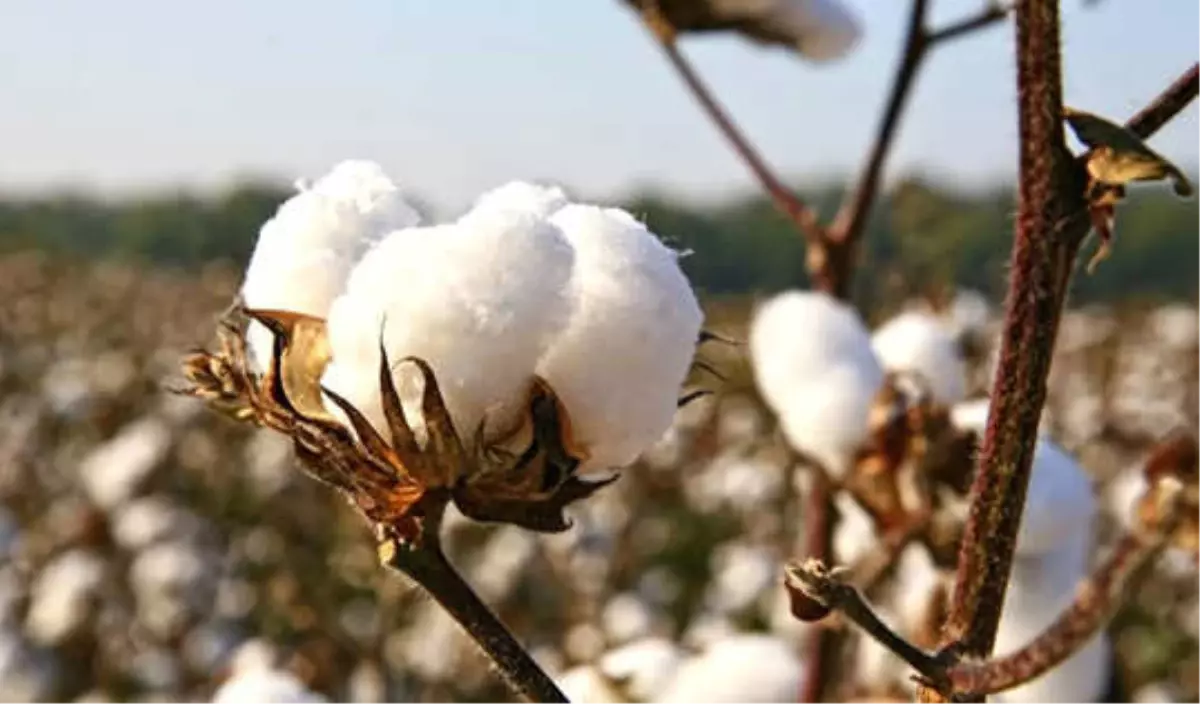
(797, 211)
(1168, 104)
(1049, 192)
(821, 643)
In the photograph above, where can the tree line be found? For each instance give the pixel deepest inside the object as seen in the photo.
(922, 235)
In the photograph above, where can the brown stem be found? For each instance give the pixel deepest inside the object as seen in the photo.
(1094, 606)
(426, 564)
(1168, 104)
(822, 643)
(797, 211)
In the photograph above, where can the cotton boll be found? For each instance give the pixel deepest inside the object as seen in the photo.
(173, 582)
(741, 668)
(626, 617)
(151, 519)
(116, 470)
(826, 417)
(305, 251)
(917, 342)
(256, 678)
(797, 335)
(587, 685)
(64, 596)
(742, 573)
(522, 197)
(620, 361)
(478, 300)
(1038, 590)
(643, 668)
(854, 534)
(1059, 502)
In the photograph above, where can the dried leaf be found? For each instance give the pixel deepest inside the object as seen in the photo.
(1119, 156)
(302, 360)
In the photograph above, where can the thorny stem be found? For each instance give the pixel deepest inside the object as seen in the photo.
(426, 564)
(1050, 190)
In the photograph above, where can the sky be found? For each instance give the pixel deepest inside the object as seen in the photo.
(456, 96)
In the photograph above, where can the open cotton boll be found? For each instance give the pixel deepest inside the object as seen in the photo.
(256, 678)
(587, 685)
(1060, 501)
(626, 350)
(644, 668)
(740, 668)
(826, 417)
(306, 250)
(917, 342)
(797, 336)
(1039, 588)
(478, 300)
(523, 197)
(64, 596)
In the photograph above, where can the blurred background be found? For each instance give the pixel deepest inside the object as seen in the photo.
(145, 542)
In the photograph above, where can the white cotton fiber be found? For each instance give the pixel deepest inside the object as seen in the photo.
(918, 343)
(1039, 589)
(644, 668)
(305, 251)
(797, 335)
(478, 300)
(620, 361)
(255, 678)
(523, 197)
(1060, 501)
(740, 668)
(827, 417)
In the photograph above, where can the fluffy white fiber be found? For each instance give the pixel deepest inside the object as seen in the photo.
(740, 668)
(524, 283)
(814, 365)
(620, 361)
(918, 343)
(1038, 590)
(1060, 501)
(479, 300)
(255, 678)
(305, 251)
(644, 668)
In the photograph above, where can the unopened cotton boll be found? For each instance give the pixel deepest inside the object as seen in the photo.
(306, 250)
(627, 347)
(477, 300)
(741, 668)
(917, 342)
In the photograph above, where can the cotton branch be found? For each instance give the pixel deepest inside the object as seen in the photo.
(1168, 506)
(832, 248)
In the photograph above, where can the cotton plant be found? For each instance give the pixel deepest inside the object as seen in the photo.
(503, 362)
(917, 343)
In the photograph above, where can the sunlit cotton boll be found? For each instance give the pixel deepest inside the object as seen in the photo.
(522, 197)
(64, 596)
(305, 252)
(916, 342)
(620, 361)
(815, 367)
(478, 300)
(644, 668)
(741, 668)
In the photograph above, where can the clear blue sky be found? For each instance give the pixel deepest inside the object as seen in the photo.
(455, 96)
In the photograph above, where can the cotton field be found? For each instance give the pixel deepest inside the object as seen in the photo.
(152, 550)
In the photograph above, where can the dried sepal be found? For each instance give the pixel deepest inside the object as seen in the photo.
(304, 355)
(1171, 503)
(1119, 156)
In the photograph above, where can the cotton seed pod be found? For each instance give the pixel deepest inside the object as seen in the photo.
(918, 342)
(798, 335)
(618, 364)
(306, 250)
(478, 300)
